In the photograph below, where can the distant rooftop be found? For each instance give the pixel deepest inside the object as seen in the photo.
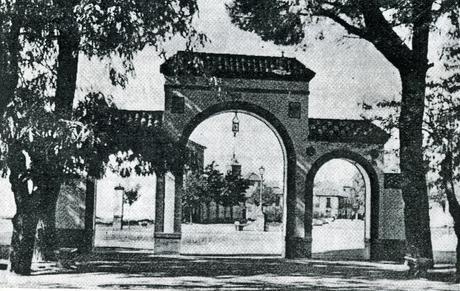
(236, 66)
(345, 130)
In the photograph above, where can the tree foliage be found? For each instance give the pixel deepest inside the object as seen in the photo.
(131, 195)
(195, 193)
(235, 187)
(212, 185)
(443, 137)
(40, 44)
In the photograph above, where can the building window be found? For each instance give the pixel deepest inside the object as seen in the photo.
(328, 202)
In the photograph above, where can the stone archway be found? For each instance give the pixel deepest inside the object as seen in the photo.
(199, 85)
(362, 164)
(276, 89)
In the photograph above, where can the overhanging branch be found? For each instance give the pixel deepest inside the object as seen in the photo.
(348, 27)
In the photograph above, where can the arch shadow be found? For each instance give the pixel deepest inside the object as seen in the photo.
(374, 184)
(280, 131)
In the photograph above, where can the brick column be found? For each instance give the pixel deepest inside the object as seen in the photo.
(298, 238)
(160, 202)
(179, 187)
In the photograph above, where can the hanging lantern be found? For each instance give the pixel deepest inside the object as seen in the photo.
(235, 124)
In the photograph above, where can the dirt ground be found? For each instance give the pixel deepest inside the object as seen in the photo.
(143, 271)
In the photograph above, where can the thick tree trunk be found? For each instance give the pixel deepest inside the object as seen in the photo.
(413, 182)
(23, 241)
(457, 249)
(454, 205)
(47, 236)
(68, 42)
(25, 219)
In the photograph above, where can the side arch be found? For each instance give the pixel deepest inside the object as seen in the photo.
(360, 162)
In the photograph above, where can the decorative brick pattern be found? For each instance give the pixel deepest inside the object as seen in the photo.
(338, 130)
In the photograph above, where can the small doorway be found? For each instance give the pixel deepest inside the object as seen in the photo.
(341, 211)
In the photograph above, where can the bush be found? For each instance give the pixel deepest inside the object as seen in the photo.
(274, 214)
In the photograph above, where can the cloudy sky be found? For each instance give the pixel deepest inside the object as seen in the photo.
(348, 72)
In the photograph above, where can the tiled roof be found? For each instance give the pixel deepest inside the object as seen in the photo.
(236, 66)
(331, 130)
(339, 130)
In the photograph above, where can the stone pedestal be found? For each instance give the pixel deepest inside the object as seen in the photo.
(117, 223)
(259, 223)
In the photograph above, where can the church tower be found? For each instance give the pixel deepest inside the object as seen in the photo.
(236, 167)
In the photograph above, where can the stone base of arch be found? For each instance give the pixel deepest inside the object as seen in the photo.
(298, 247)
(167, 243)
(388, 250)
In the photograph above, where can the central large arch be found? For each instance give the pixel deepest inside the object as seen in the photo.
(273, 89)
(285, 141)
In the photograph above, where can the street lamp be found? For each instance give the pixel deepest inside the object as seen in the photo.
(261, 172)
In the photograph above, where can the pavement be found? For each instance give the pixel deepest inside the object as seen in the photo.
(137, 270)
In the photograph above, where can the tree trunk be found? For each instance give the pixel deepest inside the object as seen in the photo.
(9, 55)
(25, 220)
(23, 241)
(208, 212)
(446, 174)
(231, 213)
(217, 212)
(413, 182)
(457, 249)
(47, 218)
(68, 42)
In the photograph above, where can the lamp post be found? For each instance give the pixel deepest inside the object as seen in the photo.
(261, 172)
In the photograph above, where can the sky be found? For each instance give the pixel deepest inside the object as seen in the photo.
(348, 72)
(255, 145)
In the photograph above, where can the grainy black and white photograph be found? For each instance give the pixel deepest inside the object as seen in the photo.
(230, 144)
